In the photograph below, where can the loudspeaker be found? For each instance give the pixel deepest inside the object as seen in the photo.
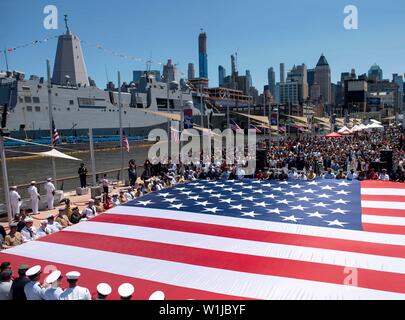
(261, 159)
(387, 157)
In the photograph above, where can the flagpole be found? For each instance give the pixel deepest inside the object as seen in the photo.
(93, 161)
(48, 71)
(120, 123)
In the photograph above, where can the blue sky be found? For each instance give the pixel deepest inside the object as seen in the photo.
(264, 32)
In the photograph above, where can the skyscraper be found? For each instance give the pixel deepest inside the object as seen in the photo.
(271, 77)
(375, 72)
(202, 55)
(248, 79)
(310, 77)
(190, 71)
(221, 75)
(323, 78)
(299, 74)
(282, 72)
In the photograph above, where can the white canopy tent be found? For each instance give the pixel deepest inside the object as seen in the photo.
(374, 126)
(375, 121)
(56, 154)
(344, 129)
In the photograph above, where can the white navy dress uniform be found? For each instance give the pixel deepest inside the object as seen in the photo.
(34, 195)
(15, 201)
(50, 190)
(103, 289)
(53, 292)
(77, 292)
(157, 295)
(29, 234)
(126, 290)
(33, 289)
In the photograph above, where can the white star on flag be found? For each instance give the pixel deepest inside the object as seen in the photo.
(316, 215)
(338, 210)
(277, 210)
(239, 207)
(177, 206)
(341, 201)
(291, 218)
(336, 223)
(145, 203)
(213, 210)
(203, 203)
(250, 214)
(320, 204)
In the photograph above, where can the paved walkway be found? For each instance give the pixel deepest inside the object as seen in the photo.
(76, 201)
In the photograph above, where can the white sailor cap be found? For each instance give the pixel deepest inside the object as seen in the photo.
(44, 221)
(13, 187)
(33, 271)
(157, 295)
(104, 289)
(49, 179)
(55, 275)
(126, 290)
(33, 182)
(73, 275)
(28, 219)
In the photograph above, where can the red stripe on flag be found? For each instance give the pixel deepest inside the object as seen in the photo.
(143, 288)
(231, 261)
(256, 235)
(382, 184)
(384, 212)
(382, 198)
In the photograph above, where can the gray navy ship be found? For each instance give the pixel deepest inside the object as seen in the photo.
(78, 104)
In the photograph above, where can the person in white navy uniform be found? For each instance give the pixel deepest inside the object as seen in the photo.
(74, 292)
(54, 290)
(50, 193)
(15, 201)
(126, 290)
(52, 224)
(157, 295)
(29, 232)
(34, 196)
(103, 291)
(33, 289)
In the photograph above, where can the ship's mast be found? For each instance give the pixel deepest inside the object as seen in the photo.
(66, 24)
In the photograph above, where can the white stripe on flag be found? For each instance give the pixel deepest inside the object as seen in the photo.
(391, 221)
(222, 281)
(282, 227)
(383, 204)
(272, 250)
(383, 191)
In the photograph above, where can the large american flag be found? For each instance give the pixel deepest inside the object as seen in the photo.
(241, 239)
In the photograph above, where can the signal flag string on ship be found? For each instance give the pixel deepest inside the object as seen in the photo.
(97, 46)
(120, 55)
(32, 43)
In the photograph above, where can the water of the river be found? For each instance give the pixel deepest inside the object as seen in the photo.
(22, 171)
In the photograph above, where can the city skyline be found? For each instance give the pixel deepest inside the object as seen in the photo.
(344, 50)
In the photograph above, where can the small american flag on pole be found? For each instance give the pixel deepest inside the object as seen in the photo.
(255, 128)
(174, 132)
(55, 135)
(234, 125)
(125, 143)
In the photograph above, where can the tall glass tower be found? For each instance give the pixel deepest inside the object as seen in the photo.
(202, 55)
